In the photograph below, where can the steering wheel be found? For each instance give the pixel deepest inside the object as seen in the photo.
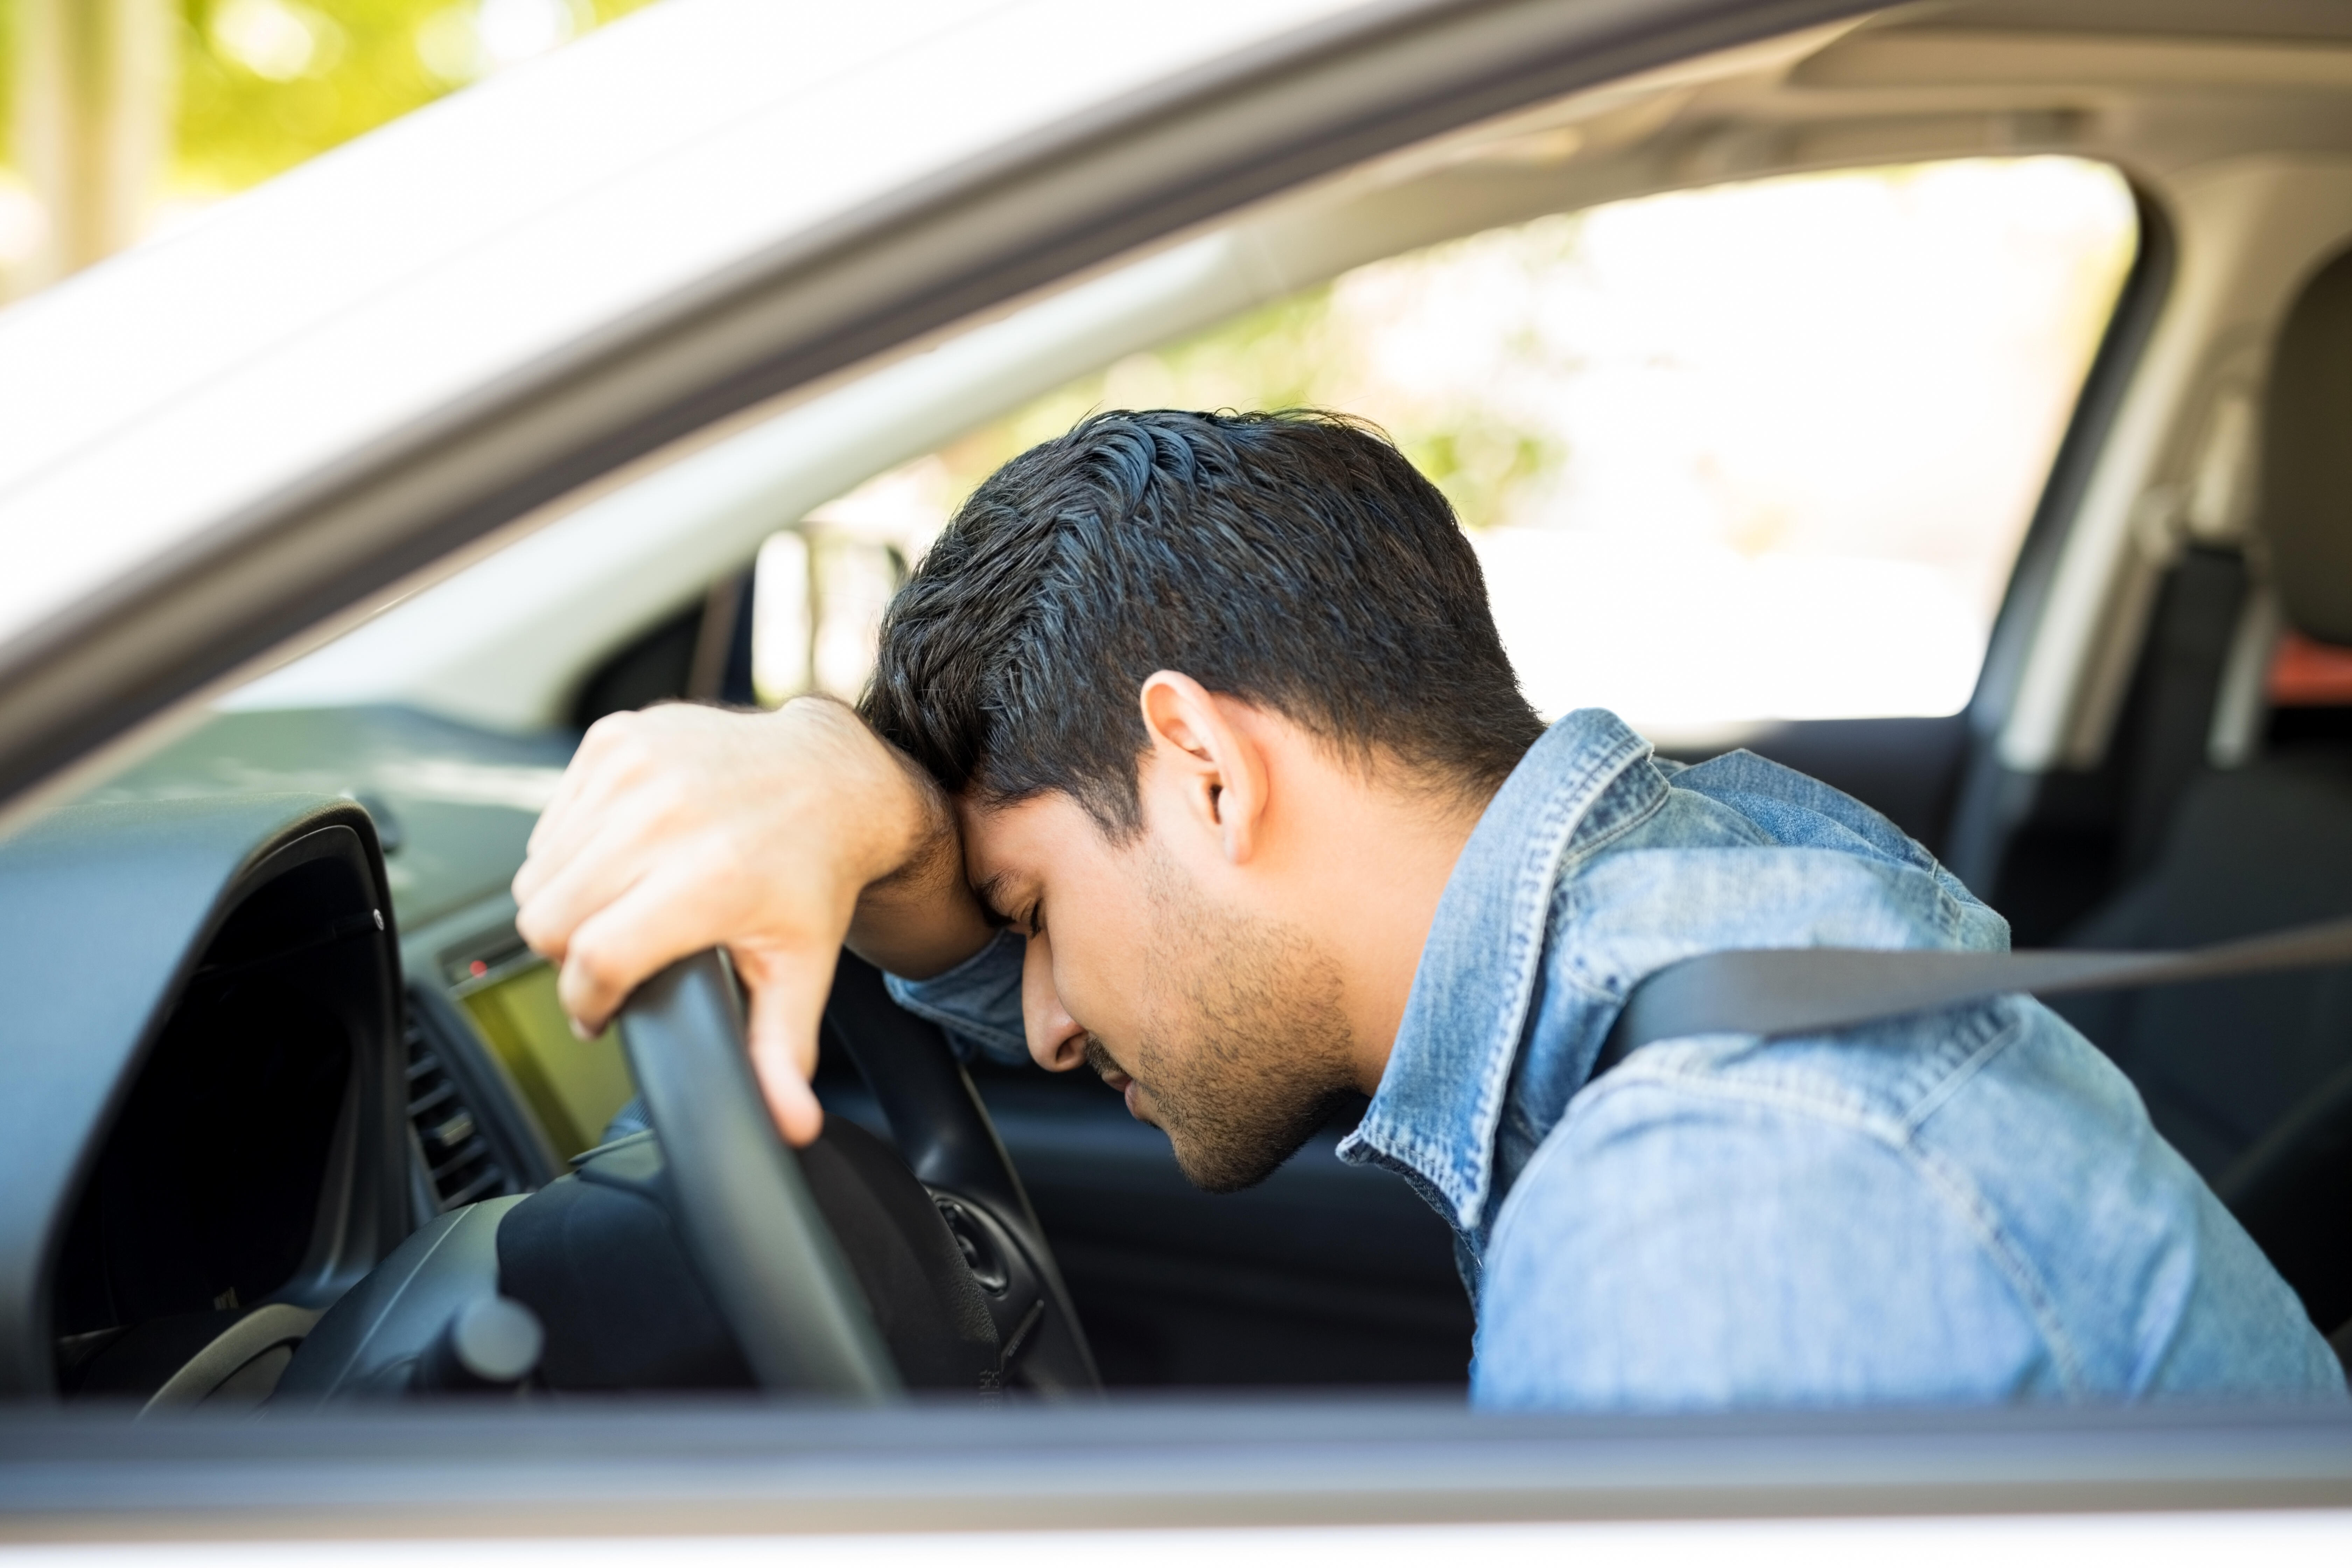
(751, 1227)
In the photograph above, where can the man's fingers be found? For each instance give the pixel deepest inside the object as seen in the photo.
(626, 761)
(788, 992)
(791, 1100)
(558, 808)
(586, 768)
(600, 874)
(622, 945)
(607, 804)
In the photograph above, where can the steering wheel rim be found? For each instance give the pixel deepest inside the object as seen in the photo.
(751, 1227)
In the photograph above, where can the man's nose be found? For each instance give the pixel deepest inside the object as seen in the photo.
(1057, 1041)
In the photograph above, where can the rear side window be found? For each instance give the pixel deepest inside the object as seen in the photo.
(1754, 452)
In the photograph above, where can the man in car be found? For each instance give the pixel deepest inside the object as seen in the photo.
(1192, 756)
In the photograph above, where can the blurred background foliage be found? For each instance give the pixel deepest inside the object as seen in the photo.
(239, 92)
(1728, 454)
(1311, 349)
(267, 84)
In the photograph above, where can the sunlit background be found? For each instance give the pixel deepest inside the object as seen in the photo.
(122, 119)
(1754, 452)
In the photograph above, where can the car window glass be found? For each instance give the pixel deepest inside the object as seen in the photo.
(1752, 452)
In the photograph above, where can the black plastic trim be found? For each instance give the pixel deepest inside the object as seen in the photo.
(1988, 802)
(944, 1134)
(105, 913)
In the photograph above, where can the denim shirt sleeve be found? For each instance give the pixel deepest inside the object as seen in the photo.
(978, 1001)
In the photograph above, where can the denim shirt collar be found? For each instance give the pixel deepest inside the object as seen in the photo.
(1441, 1098)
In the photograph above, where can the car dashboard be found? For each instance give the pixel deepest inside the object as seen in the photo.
(237, 1124)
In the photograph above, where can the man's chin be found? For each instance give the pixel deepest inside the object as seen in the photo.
(1233, 1164)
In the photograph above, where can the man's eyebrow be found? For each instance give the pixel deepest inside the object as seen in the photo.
(989, 910)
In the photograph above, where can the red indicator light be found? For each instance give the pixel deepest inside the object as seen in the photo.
(477, 967)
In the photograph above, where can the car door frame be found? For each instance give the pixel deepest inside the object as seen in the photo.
(884, 279)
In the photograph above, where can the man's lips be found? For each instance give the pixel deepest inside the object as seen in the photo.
(1109, 1071)
(1123, 1086)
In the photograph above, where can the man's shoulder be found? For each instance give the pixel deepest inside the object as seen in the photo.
(1740, 851)
(1969, 1205)
(1794, 810)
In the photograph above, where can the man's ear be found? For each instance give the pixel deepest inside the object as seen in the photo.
(1218, 769)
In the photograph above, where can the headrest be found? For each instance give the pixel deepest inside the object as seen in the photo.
(2306, 491)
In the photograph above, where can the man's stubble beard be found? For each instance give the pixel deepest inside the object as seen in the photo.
(1245, 1054)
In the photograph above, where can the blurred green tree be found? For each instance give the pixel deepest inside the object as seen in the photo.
(267, 84)
(256, 87)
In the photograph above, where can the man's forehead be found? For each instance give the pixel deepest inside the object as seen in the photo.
(1008, 838)
(1004, 840)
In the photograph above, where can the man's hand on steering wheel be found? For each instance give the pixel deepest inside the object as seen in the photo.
(778, 835)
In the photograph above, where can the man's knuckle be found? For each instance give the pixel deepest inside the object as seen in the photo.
(633, 756)
(600, 962)
(607, 733)
(536, 927)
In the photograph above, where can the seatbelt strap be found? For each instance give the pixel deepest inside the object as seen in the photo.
(1776, 992)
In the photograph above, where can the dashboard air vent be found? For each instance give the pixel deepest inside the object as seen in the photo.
(460, 1163)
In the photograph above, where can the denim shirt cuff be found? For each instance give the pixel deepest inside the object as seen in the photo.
(978, 1001)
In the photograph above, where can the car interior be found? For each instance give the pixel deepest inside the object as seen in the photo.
(342, 1123)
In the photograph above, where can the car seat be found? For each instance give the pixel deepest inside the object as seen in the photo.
(2251, 1079)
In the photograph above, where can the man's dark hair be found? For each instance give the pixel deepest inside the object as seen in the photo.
(1294, 560)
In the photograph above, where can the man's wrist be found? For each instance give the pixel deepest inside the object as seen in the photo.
(901, 858)
(889, 818)
(921, 919)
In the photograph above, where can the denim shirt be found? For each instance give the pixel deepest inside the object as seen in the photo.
(1966, 1205)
